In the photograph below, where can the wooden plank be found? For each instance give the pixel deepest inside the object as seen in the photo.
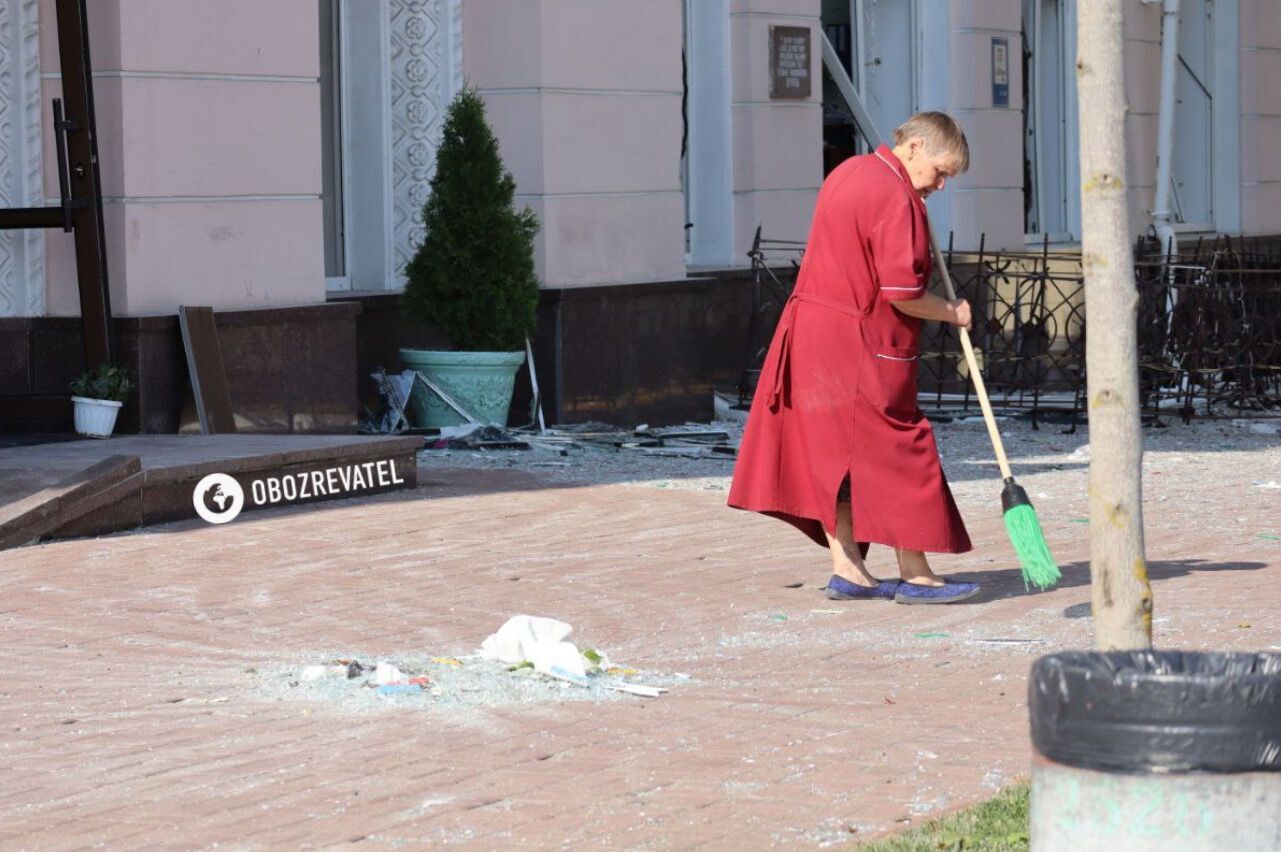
(204, 365)
(85, 182)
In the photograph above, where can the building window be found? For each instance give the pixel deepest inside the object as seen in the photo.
(706, 151)
(1051, 163)
(877, 41)
(388, 71)
(1191, 172)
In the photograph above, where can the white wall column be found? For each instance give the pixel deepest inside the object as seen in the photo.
(710, 185)
(1225, 164)
(401, 64)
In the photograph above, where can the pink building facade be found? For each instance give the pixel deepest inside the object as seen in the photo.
(270, 160)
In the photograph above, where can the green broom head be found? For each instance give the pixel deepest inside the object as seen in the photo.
(1038, 565)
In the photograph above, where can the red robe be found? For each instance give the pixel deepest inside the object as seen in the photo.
(837, 394)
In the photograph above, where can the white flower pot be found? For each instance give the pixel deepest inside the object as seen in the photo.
(95, 418)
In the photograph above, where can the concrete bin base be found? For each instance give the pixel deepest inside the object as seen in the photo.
(1075, 810)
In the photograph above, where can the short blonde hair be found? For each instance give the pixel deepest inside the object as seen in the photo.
(941, 133)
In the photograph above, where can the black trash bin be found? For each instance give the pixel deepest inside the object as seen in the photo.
(1160, 750)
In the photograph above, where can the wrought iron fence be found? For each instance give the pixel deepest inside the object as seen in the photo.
(1209, 328)
(1029, 332)
(775, 264)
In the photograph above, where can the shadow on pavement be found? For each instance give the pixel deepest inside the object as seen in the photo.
(1008, 582)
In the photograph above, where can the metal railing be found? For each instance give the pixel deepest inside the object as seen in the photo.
(1209, 329)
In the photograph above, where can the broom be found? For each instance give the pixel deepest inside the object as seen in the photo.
(1039, 568)
(1020, 518)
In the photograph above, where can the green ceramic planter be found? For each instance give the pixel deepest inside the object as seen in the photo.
(481, 382)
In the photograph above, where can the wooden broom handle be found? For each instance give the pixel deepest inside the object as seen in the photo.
(974, 364)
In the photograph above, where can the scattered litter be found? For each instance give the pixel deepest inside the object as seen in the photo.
(889, 700)
(726, 407)
(828, 611)
(1267, 537)
(522, 637)
(1081, 453)
(528, 641)
(559, 659)
(561, 673)
(477, 437)
(447, 661)
(1258, 427)
(779, 617)
(445, 397)
(1008, 641)
(636, 689)
(386, 674)
(690, 441)
(792, 585)
(313, 673)
(398, 688)
(1078, 520)
(1244, 625)
(354, 669)
(932, 635)
(1272, 483)
(395, 390)
(476, 682)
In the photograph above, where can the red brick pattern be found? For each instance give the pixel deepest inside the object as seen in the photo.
(129, 718)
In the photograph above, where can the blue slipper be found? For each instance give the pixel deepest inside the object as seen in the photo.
(949, 592)
(841, 589)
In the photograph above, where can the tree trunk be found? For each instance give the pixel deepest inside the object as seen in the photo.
(1122, 598)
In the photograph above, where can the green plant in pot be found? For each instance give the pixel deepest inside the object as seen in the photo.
(97, 398)
(473, 275)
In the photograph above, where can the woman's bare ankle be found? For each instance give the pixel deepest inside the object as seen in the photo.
(855, 576)
(914, 567)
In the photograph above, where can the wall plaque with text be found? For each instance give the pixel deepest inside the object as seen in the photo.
(1000, 71)
(789, 62)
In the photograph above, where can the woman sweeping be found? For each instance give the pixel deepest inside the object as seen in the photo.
(835, 443)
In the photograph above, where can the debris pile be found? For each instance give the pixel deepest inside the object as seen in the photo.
(691, 441)
(542, 644)
(528, 660)
(385, 678)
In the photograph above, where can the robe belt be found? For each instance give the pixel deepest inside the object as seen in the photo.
(840, 307)
(785, 345)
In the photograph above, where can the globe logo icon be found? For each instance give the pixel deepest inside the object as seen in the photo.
(218, 498)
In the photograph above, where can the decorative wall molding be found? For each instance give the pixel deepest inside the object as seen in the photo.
(401, 63)
(22, 284)
(455, 47)
(426, 70)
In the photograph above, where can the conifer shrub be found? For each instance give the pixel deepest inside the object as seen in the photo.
(473, 275)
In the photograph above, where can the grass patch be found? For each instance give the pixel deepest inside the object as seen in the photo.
(998, 825)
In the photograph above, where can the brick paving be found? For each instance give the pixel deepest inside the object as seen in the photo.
(130, 717)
